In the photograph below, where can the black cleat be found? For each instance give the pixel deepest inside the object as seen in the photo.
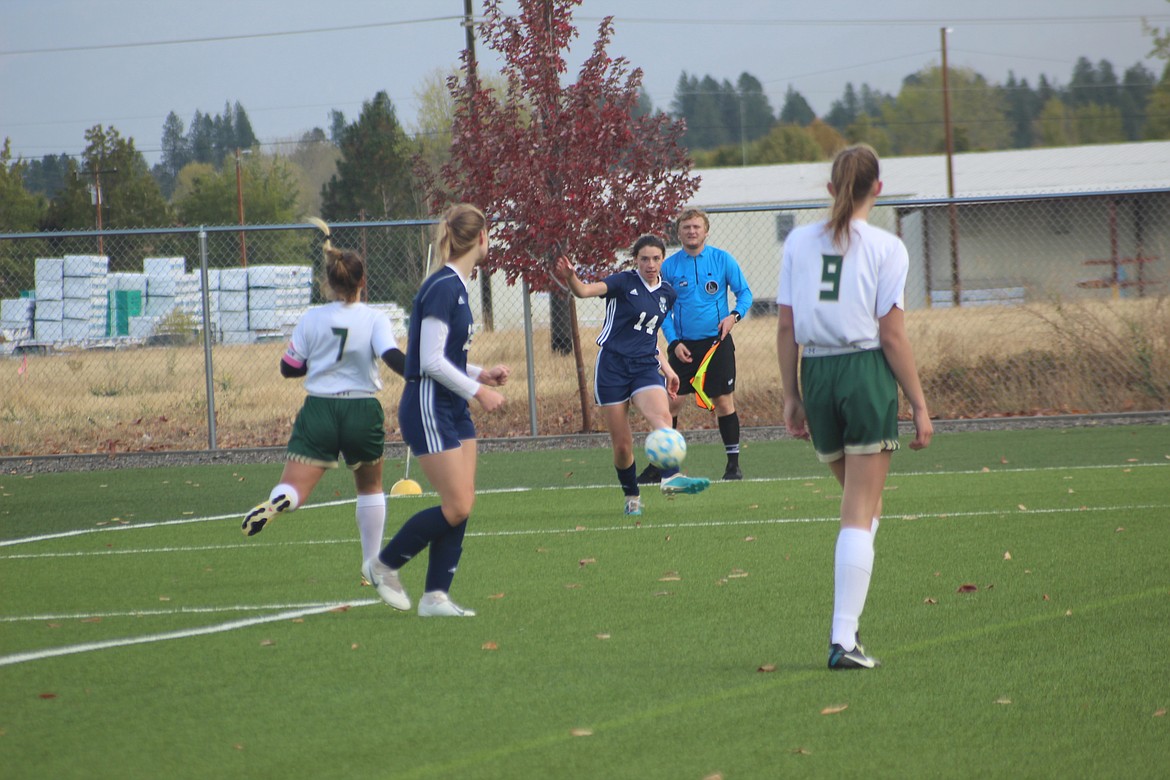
(840, 658)
(650, 475)
(732, 472)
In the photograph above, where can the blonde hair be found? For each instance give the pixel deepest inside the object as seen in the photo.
(855, 170)
(458, 231)
(693, 214)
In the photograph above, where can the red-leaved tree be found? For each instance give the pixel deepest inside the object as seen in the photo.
(560, 168)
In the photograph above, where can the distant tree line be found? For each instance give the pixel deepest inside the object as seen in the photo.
(735, 125)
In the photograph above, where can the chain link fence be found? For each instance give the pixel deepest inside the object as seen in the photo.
(142, 340)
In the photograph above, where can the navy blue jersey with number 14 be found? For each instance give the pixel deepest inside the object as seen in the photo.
(633, 314)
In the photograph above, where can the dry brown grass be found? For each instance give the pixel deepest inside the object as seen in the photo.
(1092, 357)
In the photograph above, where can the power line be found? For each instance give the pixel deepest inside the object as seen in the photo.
(216, 38)
(933, 22)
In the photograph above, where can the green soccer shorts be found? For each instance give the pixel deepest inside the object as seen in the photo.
(327, 427)
(851, 402)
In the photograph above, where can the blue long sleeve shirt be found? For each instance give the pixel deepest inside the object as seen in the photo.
(702, 283)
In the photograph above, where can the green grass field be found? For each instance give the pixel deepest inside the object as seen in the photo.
(1020, 600)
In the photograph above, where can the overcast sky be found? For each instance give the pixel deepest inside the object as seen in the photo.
(66, 65)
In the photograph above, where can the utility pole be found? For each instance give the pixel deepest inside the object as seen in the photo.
(952, 213)
(485, 281)
(96, 173)
(240, 210)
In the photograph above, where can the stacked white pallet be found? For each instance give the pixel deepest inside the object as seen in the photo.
(16, 317)
(233, 306)
(127, 281)
(85, 300)
(49, 276)
(277, 296)
(168, 287)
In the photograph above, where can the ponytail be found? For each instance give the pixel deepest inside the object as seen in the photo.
(854, 172)
(458, 231)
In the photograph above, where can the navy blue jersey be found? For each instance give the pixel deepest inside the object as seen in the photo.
(633, 314)
(443, 297)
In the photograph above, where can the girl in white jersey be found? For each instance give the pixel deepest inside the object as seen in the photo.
(841, 303)
(336, 347)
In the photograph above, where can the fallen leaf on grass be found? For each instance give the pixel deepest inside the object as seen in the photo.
(664, 593)
(48, 696)
(929, 600)
(489, 646)
(496, 596)
(572, 586)
(834, 709)
(354, 646)
(716, 776)
(1119, 529)
(985, 470)
(1003, 700)
(767, 668)
(586, 561)
(298, 620)
(737, 574)
(800, 751)
(1046, 597)
(1007, 556)
(670, 577)
(91, 620)
(1022, 508)
(267, 643)
(581, 732)
(238, 746)
(342, 608)
(602, 636)
(164, 598)
(749, 538)
(579, 528)
(1160, 712)
(967, 587)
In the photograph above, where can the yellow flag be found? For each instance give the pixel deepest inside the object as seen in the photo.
(700, 378)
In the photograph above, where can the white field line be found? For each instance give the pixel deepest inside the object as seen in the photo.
(129, 526)
(88, 647)
(644, 528)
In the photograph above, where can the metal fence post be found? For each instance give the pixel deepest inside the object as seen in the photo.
(208, 368)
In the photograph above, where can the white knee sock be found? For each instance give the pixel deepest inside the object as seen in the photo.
(371, 522)
(852, 569)
(289, 492)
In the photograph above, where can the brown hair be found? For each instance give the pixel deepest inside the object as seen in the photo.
(458, 231)
(692, 214)
(345, 273)
(855, 169)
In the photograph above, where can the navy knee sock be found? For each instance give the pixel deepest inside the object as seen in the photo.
(445, 554)
(414, 535)
(628, 477)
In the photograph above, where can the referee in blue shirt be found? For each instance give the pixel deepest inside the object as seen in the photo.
(702, 276)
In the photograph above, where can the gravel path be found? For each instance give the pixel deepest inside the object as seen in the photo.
(47, 464)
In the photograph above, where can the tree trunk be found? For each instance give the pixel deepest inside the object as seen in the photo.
(561, 322)
(485, 300)
(586, 408)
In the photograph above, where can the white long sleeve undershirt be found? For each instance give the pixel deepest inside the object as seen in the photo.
(433, 362)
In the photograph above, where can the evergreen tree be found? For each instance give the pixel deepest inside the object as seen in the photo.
(1136, 86)
(796, 110)
(175, 153)
(1082, 89)
(245, 136)
(1023, 106)
(374, 173)
(337, 125)
(20, 210)
(47, 175)
(201, 139)
(844, 111)
(757, 114)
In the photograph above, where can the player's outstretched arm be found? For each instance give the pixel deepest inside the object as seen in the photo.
(565, 272)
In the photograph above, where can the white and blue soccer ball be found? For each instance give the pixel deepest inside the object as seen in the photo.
(666, 448)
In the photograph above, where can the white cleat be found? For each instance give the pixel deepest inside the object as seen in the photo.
(439, 604)
(386, 581)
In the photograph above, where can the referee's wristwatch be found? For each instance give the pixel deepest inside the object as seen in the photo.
(737, 316)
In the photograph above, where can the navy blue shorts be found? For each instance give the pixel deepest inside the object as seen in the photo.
(616, 377)
(432, 419)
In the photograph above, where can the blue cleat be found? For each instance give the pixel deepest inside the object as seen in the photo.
(680, 483)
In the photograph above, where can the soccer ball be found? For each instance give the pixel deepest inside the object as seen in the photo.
(666, 448)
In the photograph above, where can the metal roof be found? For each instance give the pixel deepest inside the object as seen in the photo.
(1107, 167)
